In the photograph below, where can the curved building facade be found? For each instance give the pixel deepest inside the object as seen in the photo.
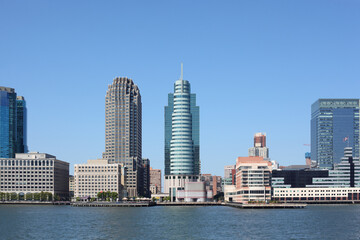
(182, 143)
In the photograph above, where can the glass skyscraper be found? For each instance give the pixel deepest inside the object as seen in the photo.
(123, 139)
(182, 137)
(12, 123)
(334, 126)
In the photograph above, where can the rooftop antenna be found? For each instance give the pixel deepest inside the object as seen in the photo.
(182, 72)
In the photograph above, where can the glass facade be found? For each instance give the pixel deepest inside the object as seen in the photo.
(12, 124)
(182, 132)
(334, 126)
(21, 127)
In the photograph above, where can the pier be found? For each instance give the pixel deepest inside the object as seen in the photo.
(188, 204)
(112, 204)
(266, 205)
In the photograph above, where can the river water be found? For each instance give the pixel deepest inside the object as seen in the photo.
(218, 222)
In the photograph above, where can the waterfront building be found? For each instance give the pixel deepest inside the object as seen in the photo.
(229, 193)
(317, 194)
(34, 173)
(71, 186)
(182, 138)
(252, 179)
(155, 181)
(99, 175)
(259, 149)
(296, 177)
(334, 126)
(12, 123)
(123, 139)
(212, 183)
(194, 192)
(146, 176)
(229, 175)
(345, 174)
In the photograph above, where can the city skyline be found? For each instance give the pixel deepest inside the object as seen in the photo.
(256, 67)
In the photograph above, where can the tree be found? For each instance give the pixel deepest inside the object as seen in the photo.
(219, 196)
(13, 196)
(114, 196)
(29, 196)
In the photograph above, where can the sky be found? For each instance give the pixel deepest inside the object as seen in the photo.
(256, 66)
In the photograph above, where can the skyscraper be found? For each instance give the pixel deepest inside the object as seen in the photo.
(334, 126)
(182, 137)
(259, 149)
(21, 126)
(12, 123)
(123, 140)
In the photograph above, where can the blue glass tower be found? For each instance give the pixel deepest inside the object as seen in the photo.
(182, 136)
(21, 127)
(12, 123)
(334, 126)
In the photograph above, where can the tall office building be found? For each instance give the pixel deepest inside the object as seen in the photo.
(259, 149)
(123, 131)
(182, 138)
(21, 125)
(334, 126)
(12, 123)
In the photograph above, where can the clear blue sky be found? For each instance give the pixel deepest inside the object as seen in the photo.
(254, 65)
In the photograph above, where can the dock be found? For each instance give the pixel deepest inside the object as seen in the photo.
(112, 204)
(188, 204)
(266, 205)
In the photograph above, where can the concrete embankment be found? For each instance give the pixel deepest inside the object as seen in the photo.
(20, 202)
(264, 205)
(188, 204)
(112, 204)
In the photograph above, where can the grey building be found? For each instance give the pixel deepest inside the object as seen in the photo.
(34, 173)
(146, 176)
(123, 131)
(334, 126)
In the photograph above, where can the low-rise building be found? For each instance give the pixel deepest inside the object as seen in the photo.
(99, 175)
(252, 179)
(194, 192)
(155, 181)
(212, 183)
(34, 173)
(316, 194)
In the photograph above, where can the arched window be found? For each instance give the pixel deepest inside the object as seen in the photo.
(47, 162)
(32, 162)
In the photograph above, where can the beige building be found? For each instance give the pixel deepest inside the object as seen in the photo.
(34, 173)
(252, 179)
(99, 175)
(155, 181)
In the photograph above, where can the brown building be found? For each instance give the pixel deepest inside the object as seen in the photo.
(155, 180)
(212, 183)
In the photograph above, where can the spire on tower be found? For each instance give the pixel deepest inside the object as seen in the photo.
(182, 74)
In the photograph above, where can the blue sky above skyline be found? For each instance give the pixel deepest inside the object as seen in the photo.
(256, 66)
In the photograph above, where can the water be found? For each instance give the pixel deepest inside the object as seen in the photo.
(65, 222)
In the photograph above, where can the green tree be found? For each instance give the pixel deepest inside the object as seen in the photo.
(37, 196)
(14, 196)
(29, 196)
(114, 196)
